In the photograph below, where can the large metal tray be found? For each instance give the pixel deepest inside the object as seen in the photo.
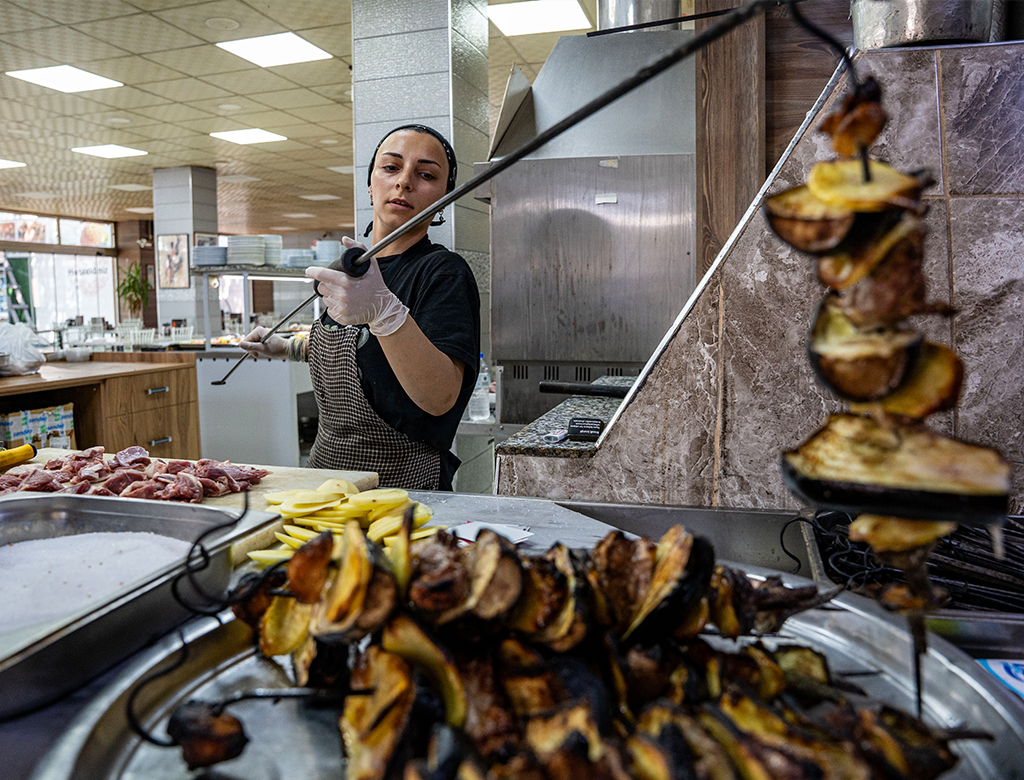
(290, 740)
(41, 664)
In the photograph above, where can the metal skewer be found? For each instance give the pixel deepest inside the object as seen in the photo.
(349, 264)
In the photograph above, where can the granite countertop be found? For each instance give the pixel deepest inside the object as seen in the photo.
(530, 440)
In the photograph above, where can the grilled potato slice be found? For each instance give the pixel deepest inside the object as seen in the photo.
(933, 385)
(841, 183)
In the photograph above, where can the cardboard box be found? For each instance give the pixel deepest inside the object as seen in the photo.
(51, 427)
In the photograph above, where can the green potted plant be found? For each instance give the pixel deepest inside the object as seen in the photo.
(134, 289)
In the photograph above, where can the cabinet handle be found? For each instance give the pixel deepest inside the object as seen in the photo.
(164, 440)
(155, 390)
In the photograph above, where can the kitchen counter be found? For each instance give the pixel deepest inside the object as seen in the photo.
(530, 438)
(60, 374)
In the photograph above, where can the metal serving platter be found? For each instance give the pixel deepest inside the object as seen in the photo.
(289, 739)
(42, 663)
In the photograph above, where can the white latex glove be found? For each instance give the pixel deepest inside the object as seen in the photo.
(353, 301)
(274, 347)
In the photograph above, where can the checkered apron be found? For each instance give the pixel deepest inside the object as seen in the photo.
(351, 435)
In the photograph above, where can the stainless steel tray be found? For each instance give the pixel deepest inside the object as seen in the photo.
(41, 664)
(289, 740)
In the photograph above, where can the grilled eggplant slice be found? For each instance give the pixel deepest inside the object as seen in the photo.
(250, 610)
(206, 733)
(896, 741)
(374, 725)
(730, 598)
(622, 570)
(569, 626)
(495, 579)
(544, 594)
(855, 465)
(658, 750)
(859, 365)
(569, 746)
(307, 568)
(806, 222)
(682, 572)
(343, 599)
(439, 580)
(407, 640)
(489, 723)
(284, 626)
(933, 385)
(841, 183)
(868, 244)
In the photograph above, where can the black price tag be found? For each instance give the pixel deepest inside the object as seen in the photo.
(585, 428)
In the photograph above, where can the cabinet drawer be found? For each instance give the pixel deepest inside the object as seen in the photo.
(131, 394)
(171, 433)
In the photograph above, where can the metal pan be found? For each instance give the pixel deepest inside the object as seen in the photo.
(41, 664)
(291, 740)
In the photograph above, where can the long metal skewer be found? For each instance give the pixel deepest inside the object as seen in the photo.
(642, 76)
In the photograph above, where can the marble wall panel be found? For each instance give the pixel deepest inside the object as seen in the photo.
(988, 270)
(983, 102)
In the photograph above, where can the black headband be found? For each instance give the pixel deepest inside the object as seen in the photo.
(453, 167)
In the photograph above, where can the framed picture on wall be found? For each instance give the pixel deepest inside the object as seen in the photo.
(206, 239)
(172, 261)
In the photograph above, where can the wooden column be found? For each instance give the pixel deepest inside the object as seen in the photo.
(730, 129)
(130, 251)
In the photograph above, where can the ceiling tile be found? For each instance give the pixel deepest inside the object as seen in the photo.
(61, 103)
(132, 70)
(16, 89)
(13, 58)
(200, 60)
(245, 106)
(316, 74)
(214, 124)
(136, 120)
(250, 81)
(341, 128)
(339, 93)
(13, 18)
(173, 112)
(266, 119)
(158, 5)
(181, 90)
(193, 19)
(291, 98)
(336, 40)
(125, 97)
(140, 33)
(63, 44)
(332, 112)
(308, 131)
(303, 14)
(65, 12)
(163, 131)
(534, 48)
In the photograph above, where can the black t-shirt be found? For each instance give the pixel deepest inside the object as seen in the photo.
(439, 288)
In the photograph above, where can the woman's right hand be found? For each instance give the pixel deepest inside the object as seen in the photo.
(274, 347)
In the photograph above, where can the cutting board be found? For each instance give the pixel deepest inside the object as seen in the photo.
(280, 478)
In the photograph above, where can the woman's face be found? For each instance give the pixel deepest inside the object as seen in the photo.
(410, 172)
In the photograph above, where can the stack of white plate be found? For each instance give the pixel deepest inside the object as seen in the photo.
(209, 255)
(271, 249)
(245, 250)
(298, 258)
(327, 252)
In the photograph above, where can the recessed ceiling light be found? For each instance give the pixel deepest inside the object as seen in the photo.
(299, 216)
(320, 197)
(279, 49)
(329, 141)
(222, 23)
(129, 187)
(64, 78)
(252, 135)
(237, 178)
(283, 227)
(346, 169)
(118, 120)
(11, 164)
(538, 16)
(37, 195)
(229, 107)
(109, 151)
(140, 209)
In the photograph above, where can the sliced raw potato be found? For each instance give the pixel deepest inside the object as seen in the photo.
(289, 541)
(341, 486)
(296, 510)
(379, 497)
(841, 183)
(304, 534)
(302, 497)
(387, 509)
(270, 557)
(421, 533)
(806, 222)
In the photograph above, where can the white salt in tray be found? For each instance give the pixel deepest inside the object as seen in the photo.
(85, 581)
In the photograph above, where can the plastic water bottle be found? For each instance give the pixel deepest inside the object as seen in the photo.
(480, 401)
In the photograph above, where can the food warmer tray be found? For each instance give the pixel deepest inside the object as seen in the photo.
(42, 663)
(289, 739)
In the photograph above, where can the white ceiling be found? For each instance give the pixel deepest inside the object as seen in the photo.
(177, 84)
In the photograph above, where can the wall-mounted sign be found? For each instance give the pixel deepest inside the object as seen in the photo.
(205, 239)
(172, 261)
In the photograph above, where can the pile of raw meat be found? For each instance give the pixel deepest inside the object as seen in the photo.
(131, 473)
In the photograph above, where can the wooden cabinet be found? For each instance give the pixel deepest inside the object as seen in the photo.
(120, 399)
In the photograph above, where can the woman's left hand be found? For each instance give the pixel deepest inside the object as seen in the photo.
(353, 301)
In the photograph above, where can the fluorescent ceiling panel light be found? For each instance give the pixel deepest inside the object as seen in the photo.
(280, 49)
(252, 135)
(237, 178)
(11, 164)
(320, 197)
(64, 78)
(129, 187)
(109, 151)
(538, 16)
(346, 169)
(140, 209)
(299, 216)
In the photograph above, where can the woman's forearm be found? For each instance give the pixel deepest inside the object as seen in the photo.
(429, 377)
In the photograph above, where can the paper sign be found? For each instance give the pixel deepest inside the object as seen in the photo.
(1009, 672)
(467, 532)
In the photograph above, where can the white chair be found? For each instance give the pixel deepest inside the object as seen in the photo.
(144, 336)
(182, 333)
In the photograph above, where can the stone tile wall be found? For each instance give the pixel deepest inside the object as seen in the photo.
(732, 387)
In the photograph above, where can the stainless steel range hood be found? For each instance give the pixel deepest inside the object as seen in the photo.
(593, 241)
